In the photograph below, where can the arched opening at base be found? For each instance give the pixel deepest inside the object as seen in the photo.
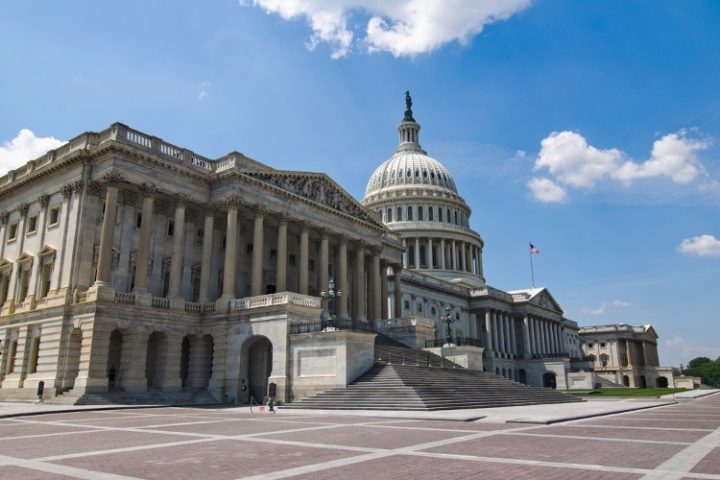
(72, 358)
(114, 360)
(256, 368)
(626, 380)
(522, 376)
(156, 358)
(661, 382)
(549, 380)
(643, 381)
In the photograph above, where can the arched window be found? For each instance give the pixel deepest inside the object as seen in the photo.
(409, 213)
(604, 360)
(420, 213)
(456, 217)
(399, 214)
(440, 214)
(430, 213)
(449, 219)
(389, 215)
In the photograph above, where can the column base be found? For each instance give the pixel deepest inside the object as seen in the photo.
(222, 304)
(143, 298)
(101, 292)
(177, 303)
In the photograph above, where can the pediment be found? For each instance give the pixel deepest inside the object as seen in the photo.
(545, 300)
(320, 189)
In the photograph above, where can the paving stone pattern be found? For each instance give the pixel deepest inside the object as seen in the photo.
(671, 442)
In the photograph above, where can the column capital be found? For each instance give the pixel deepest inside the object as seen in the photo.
(129, 197)
(208, 209)
(233, 201)
(181, 199)
(67, 190)
(4, 216)
(113, 178)
(95, 188)
(259, 211)
(148, 189)
(44, 200)
(283, 218)
(23, 208)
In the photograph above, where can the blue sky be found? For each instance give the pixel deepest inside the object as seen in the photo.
(589, 128)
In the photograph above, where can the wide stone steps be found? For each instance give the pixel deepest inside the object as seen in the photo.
(409, 387)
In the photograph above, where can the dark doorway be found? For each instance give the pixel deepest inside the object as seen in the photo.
(114, 359)
(156, 358)
(549, 380)
(522, 376)
(643, 382)
(259, 357)
(626, 380)
(661, 382)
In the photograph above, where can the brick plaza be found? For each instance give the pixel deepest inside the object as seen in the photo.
(673, 442)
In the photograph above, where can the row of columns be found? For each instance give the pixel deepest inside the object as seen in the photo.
(452, 254)
(500, 332)
(377, 284)
(542, 336)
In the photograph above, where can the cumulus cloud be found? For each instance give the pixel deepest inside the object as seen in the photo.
(204, 90)
(547, 191)
(400, 27)
(617, 303)
(572, 162)
(701, 246)
(680, 349)
(25, 146)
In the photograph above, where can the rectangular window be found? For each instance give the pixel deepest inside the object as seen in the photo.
(590, 345)
(291, 260)
(32, 224)
(602, 345)
(171, 228)
(399, 214)
(199, 235)
(409, 213)
(430, 213)
(273, 253)
(53, 216)
(138, 220)
(420, 213)
(12, 232)
(249, 248)
(440, 215)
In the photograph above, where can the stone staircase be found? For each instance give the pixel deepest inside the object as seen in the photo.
(406, 379)
(119, 397)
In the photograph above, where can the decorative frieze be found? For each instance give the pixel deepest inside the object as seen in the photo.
(148, 189)
(113, 178)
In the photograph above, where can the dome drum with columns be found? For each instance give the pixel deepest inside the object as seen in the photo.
(416, 197)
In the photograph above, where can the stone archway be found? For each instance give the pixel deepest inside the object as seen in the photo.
(661, 382)
(626, 380)
(155, 360)
(114, 360)
(256, 368)
(550, 380)
(643, 381)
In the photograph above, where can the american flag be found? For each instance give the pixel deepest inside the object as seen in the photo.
(534, 250)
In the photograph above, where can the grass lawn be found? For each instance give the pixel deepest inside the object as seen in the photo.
(628, 392)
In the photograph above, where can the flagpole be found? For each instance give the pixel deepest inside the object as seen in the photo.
(532, 271)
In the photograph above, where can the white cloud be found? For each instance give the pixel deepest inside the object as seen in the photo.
(603, 308)
(572, 162)
(681, 350)
(547, 191)
(702, 246)
(25, 146)
(400, 27)
(204, 90)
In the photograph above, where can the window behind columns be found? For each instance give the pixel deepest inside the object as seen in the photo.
(430, 214)
(399, 214)
(409, 213)
(420, 213)
(389, 215)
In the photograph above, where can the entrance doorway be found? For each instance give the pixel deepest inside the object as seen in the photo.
(661, 382)
(156, 358)
(549, 380)
(258, 358)
(114, 360)
(522, 376)
(626, 380)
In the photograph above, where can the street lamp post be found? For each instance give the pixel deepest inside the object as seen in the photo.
(449, 319)
(331, 295)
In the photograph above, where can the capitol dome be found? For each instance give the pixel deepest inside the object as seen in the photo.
(416, 197)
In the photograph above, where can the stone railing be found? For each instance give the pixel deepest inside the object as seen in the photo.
(160, 302)
(284, 298)
(125, 297)
(404, 323)
(195, 307)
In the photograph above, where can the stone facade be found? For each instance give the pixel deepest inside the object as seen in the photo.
(130, 264)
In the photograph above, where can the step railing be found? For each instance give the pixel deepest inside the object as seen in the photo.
(409, 357)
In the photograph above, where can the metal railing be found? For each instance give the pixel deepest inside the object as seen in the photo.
(312, 326)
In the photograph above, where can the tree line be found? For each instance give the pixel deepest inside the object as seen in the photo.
(703, 367)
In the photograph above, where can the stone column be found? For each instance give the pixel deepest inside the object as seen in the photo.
(430, 253)
(282, 256)
(176, 264)
(534, 335)
(454, 256)
(359, 300)
(526, 337)
(304, 259)
(463, 257)
(488, 331)
(207, 251)
(506, 333)
(324, 262)
(383, 290)
(376, 289)
(104, 267)
(405, 259)
(417, 252)
(142, 260)
(257, 258)
(342, 307)
(230, 254)
(513, 342)
(398, 291)
(442, 254)
(496, 332)
(545, 336)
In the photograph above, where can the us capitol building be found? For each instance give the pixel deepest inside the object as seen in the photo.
(129, 265)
